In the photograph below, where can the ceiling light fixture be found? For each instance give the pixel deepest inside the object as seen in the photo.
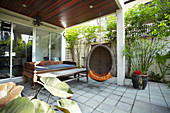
(23, 5)
(90, 6)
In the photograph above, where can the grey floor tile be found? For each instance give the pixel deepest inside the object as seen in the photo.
(30, 92)
(156, 93)
(141, 107)
(85, 84)
(98, 98)
(117, 110)
(158, 102)
(103, 93)
(54, 97)
(124, 106)
(158, 109)
(96, 111)
(143, 99)
(129, 95)
(120, 93)
(140, 110)
(127, 100)
(168, 104)
(108, 90)
(157, 97)
(143, 94)
(131, 91)
(79, 87)
(92, 103)
(75, 96)
(167, 94)
(42, 96)
(111, 102)
(51, 100)
(86, 89)
(106, 108)
(82, 99)
(85, 109)
(95, 91)
(74, 90)
(143, 91)
(122, 89)
(111, 87)
(115, 97)
(80, 92)
(89, 95)
(114, 85)
(102, 97)
(167, 99)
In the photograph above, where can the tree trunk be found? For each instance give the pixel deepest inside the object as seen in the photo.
(78, 54)
(129, 61)
(129, 67)
(86, 52)
(84, 55)
(72, 53)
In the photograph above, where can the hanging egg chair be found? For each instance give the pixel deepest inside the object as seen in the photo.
(100, 63)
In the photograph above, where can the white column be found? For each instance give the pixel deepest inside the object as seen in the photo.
(50, 47)
(63, 45)
(120, 46)
(12, 37)
(34, 45)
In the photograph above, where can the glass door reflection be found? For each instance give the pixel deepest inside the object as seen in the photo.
(22, 48)
(5, 39)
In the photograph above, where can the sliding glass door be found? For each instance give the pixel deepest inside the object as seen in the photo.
(42, 45)
(16, 47)
(55, 46)
(21, 49)
(5, 39)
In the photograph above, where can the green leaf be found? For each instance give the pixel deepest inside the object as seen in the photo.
(19, 105)
(56, 87)
(68, 106)
(42, 107)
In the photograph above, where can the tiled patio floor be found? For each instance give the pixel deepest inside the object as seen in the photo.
(107, 97)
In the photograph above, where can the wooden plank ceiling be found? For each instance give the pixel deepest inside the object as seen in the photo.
(63, 13)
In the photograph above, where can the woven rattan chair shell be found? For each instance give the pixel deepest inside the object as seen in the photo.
(100, 59)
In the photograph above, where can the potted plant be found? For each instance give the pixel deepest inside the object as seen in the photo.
(139, 81)
(141, 54)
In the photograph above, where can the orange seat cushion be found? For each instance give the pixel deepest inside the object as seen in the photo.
(92, 74)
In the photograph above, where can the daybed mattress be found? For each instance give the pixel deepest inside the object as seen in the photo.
(49, 67)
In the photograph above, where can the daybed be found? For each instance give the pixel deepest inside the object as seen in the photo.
(33, 68)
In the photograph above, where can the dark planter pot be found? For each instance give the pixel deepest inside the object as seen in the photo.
(136, 80)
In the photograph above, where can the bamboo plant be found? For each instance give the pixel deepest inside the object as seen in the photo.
(142, 53)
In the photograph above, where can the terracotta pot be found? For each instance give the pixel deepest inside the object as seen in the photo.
(139, 81)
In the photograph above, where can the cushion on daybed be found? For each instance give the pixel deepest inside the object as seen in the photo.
(49, 67)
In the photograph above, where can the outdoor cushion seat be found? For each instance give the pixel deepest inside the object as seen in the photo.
(100, 63)
(92, 74)
(49, 67)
